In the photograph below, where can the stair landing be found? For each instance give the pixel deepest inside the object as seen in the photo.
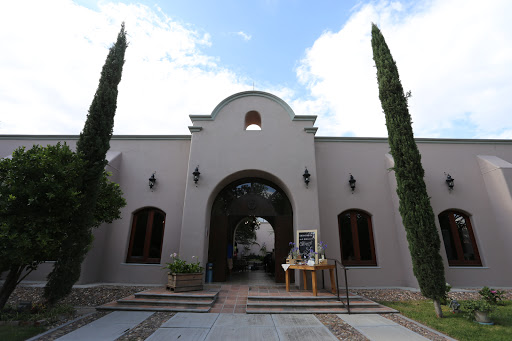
(226, 298)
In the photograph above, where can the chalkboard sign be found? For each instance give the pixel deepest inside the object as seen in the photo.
(306, 239)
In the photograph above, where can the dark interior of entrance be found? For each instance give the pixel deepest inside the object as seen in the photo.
(249, 197)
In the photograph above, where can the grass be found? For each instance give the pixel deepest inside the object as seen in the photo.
(456, 325)
(36, 313)
(15, 333)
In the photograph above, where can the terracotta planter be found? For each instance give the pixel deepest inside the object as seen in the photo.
(482, 317)
(185, 282)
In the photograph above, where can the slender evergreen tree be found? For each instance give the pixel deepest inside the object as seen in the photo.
(92, 146)
(415, 209)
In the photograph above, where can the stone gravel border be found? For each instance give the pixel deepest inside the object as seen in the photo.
(342, 330)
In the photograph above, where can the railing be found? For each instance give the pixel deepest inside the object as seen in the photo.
(336, 262)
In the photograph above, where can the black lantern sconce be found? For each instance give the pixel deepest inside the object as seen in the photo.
(449, 181)
(352, 183)
(152, 181)
(196, 174)
(306, 176)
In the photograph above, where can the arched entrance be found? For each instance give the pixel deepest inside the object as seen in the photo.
(244, 198)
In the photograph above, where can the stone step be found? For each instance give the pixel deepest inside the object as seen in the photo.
(159, 299)
(318, 310)
(304, 298)
(178, 296)
(132, 300)
(302, 303)
(295, 310)
(169, 308)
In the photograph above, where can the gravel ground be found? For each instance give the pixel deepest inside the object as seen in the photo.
(84, 297)
(98, 295)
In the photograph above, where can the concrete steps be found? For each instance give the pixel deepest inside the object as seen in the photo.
(163, 300)
(312, 305)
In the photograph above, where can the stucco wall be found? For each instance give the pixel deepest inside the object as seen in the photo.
(135, 159)
(225, 152)
(376, 194)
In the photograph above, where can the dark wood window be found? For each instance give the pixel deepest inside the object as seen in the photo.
(356, 238)
(459, 240)
(147, 236)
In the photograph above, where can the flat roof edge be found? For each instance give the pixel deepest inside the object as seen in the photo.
(114, 137)
(418, 140)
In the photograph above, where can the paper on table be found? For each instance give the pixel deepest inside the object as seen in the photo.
(285, 266)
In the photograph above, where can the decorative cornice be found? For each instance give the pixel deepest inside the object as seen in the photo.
(76, 137)
(195, 129)
(311, 130)
(236, 96)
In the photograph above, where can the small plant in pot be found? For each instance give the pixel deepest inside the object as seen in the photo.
(293, 255)
(477, 309)
(184, 276)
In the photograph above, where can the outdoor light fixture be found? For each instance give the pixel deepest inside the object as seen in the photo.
(196, 174)
(352, 182)
(306, 176)
(152, 181)
(449, 181)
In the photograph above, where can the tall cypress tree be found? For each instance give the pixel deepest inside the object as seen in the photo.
(92, 147)
(415, 209)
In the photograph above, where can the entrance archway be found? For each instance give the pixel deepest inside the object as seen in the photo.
(238, 200)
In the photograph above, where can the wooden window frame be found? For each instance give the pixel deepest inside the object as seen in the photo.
(145, 259)
(355, 239)
(460, 261)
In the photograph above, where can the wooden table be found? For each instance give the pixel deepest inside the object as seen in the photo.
(313, 269)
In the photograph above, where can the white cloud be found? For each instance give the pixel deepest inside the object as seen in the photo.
(244, 35)
(455, 56)
(52, 54)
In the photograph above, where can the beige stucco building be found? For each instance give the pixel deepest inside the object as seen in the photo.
(260, 173)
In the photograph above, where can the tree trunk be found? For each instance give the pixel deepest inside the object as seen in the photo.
(437, 307)
(10, 284)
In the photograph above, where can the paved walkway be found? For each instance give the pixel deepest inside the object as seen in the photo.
(226, 327)
(109, 327)
(376, 327)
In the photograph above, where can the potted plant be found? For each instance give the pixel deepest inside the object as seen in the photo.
(492, 296)
(184, 276)
(478, 309)
(293, 255)
(321, 252)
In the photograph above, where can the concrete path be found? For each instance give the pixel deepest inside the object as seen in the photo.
(223, 327)
(378, 328)
(226, 327)
(109, 327)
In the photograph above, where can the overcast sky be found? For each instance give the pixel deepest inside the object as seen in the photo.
(184, 57)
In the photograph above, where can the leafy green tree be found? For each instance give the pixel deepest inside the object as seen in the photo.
(415, 208)
(39, 196)
(92, 147)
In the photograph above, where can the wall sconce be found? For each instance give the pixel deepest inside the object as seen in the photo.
(152, 180)
(449, 181)
(352, 182)
(306, 176)
(196, 174)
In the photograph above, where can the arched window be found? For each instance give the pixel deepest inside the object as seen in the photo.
(252, 121)
(356, 238)
(459, 240)
(147, 236)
